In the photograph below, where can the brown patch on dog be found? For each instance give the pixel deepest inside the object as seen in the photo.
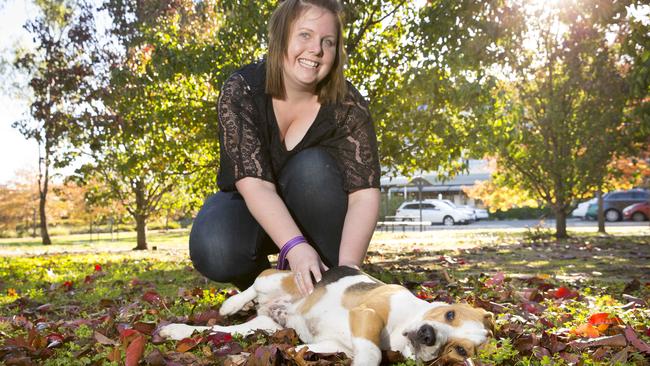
(366, 323)
(289, 285)
(457, 351)
(462, 313)
(312, 300)
(371, 295)
(269, 272)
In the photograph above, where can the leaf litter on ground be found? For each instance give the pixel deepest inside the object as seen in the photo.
(65, 310)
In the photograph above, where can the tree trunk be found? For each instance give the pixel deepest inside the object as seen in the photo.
(140, 216)
(45, 236)
(141, 229)
(43, 181)
(601, 214)
(560, 224)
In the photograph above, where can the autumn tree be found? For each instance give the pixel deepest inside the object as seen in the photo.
(560, 115)
(58, 73)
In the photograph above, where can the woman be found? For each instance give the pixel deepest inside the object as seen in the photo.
(299, 170)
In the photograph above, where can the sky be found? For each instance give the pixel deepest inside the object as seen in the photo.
(16, 153)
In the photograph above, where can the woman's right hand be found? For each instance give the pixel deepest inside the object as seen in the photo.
(305, 262)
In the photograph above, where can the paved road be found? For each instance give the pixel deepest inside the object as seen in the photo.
(522, 224)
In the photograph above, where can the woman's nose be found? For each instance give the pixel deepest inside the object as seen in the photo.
(316, 47)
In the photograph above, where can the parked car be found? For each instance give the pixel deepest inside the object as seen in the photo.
(475, 213)
(468, 210)
(615, 202)
(637, 212)
(581, 210)
(436, 211)
(481, 214)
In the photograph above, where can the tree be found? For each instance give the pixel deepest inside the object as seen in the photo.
(59, 73)
(157, 130)
(560, 118)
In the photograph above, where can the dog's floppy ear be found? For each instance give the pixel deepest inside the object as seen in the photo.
(488, 322)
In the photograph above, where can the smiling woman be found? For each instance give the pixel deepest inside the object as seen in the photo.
(299, 170)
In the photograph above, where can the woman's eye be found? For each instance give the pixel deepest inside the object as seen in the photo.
(304, 35)
(329, 43)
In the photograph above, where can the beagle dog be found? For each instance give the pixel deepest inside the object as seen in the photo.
(351, 312)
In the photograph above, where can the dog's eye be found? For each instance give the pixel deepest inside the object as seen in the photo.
(450, 315)
(462, 352)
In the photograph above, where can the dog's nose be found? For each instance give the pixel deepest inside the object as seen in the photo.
(426, 335)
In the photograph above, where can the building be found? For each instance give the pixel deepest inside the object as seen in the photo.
(424, 185)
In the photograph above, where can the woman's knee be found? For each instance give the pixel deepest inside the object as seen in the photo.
(312, 173)
(223, 240)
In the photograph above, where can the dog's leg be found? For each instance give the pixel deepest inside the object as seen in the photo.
(179, 331)
(366, 326)
(327, 346)
(235, 303)
(262, 322)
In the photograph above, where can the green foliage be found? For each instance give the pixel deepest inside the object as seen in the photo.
(560, 117)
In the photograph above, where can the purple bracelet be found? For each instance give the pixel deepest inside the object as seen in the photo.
(283, 263)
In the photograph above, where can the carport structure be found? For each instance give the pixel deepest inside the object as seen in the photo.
(423, 185)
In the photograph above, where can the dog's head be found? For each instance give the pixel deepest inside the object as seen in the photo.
(448, 333)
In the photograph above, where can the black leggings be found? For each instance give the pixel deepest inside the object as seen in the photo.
(228, 245)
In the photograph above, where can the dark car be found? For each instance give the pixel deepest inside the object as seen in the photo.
(615, 202)
(637, 211)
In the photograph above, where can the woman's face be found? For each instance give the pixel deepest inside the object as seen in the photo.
(311, 49)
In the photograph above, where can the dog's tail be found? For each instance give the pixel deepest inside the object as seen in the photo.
(235, 303)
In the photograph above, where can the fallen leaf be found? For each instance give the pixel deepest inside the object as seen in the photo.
(586, 330)
(634, 340)
(187, 344)
(134, 351)
(610, 341)
(102, 339)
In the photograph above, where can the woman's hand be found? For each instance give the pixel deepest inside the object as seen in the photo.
(305, 262)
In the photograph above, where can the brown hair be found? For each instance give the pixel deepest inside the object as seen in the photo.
(331, 89)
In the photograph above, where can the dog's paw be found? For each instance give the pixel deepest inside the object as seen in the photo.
(179, 331)
(231, 306)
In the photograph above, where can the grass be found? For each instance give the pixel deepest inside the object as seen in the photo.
(105, 286)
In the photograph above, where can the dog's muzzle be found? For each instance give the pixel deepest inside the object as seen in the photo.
(425, 335)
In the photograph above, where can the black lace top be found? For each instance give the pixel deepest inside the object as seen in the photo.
(250, 140)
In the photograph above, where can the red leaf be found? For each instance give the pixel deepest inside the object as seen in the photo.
(532, 308)
(152, 297)
(54, 337)
(67, 285)
(496, 280)
(604, 318)
(98, 268)
(134, 351)
(219, 338)
(127, 333)
(564, 293)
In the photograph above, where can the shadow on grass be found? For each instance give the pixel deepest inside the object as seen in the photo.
(616, 259)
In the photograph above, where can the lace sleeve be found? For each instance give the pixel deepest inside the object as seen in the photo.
(242, 154)
(358, 154)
